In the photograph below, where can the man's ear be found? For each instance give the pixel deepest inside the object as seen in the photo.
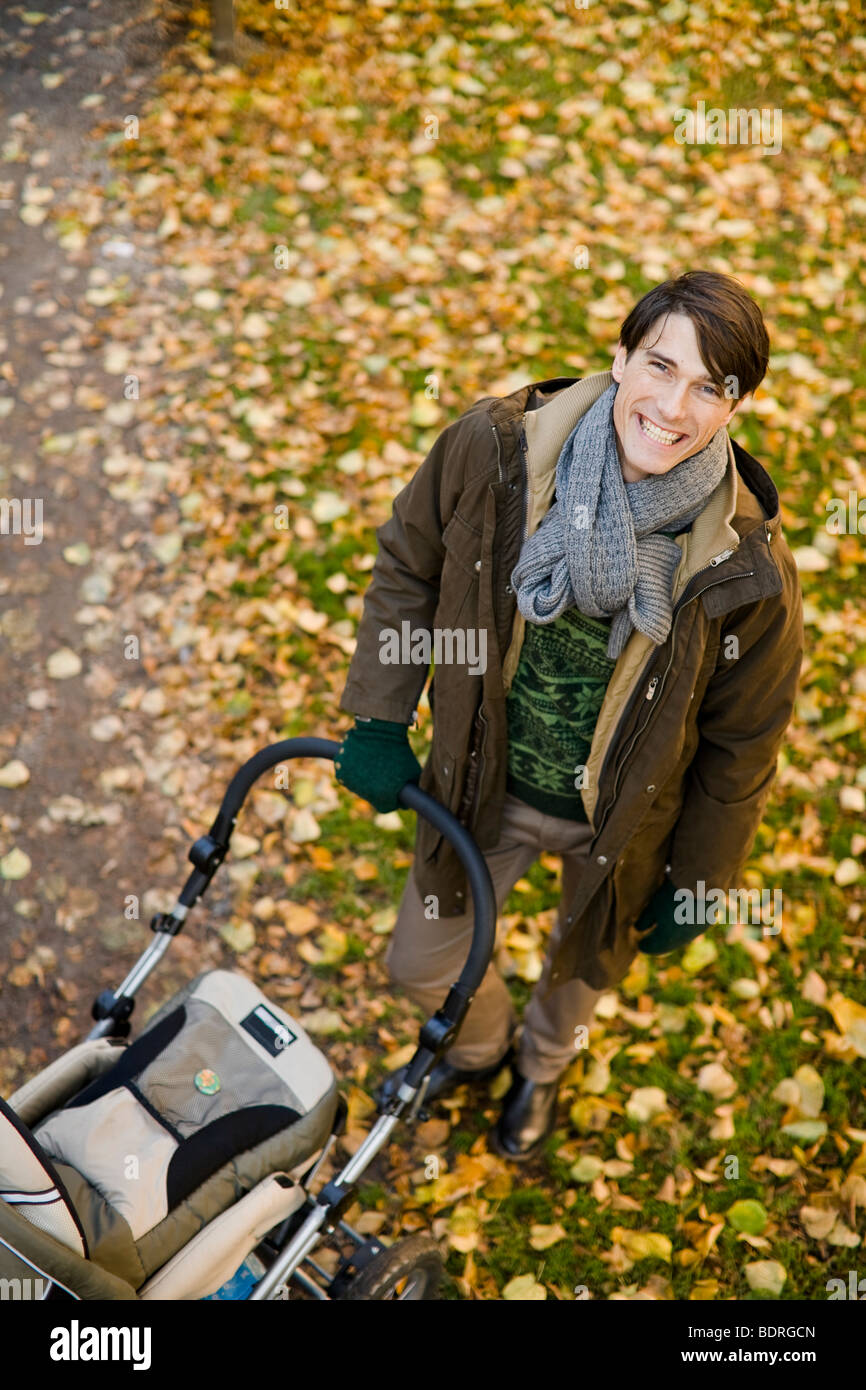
(618, 364)
(736, 405)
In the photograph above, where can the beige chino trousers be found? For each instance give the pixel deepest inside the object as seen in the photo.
(425, 955)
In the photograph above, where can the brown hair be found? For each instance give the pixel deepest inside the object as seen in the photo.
(730, 330)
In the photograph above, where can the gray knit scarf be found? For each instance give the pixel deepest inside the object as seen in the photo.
(598, 548)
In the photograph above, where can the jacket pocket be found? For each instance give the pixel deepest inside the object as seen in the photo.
(471, 796)
(459, 582)
(462, 543)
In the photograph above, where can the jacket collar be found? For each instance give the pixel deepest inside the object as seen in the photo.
(745, 499)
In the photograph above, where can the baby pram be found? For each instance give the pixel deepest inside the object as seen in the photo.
(181, 1165)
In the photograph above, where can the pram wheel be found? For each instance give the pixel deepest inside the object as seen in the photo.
(411, 1269)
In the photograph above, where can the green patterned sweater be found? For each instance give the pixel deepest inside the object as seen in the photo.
(553, 706)
(552, 709)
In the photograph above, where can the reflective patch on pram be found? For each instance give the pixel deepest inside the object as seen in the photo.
(267, 1029)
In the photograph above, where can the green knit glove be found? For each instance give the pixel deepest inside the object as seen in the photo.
(375, 761)
(668, 934)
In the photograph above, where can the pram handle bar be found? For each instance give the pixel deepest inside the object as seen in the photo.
(112, 1009)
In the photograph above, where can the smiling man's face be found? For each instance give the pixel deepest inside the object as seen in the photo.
(667, 407)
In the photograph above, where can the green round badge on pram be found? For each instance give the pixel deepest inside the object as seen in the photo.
(207, 1081)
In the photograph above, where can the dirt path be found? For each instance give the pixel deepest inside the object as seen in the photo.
(78, 713)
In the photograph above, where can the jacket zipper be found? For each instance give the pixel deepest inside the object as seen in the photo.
(656, 680)
(498, 450)
(525, 448)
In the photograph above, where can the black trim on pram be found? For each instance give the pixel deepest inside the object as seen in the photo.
(202, 1154)
(132, 1063)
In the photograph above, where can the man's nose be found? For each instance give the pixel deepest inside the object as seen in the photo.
(674, 403)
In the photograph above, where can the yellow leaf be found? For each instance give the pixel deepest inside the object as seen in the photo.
(468, 1174)
(641, 1245)
(382, 922)
(500, 1084)
(433, 1134)
(645, 1103)
(463, 1228)
(687, 1258)
(270, 807)
(499, 1185)
(309, 952)
(518, 940)
(360, 1107)
(310, 621)
(848, 871)
(243, 846)
(529, 965)
(637, 978)
(587, 1115)
(811, 1092)
(709, 1238)
(240, 936)
(16, 864)
(850, 1019)
(542, 1237)
(398, 1059)
(304, 827)
(324, 1021)
(853, 1190)
(699, 953)
(766, 1276)
(272, 963)
(587, 1168)
(617, 1260)
(704, 1290)
(14, 774)
(524, 1287)
(424, 411)
(617, 1168)
(332, 943)
(817, 1222)
(597, 1078)
(842, 1235)
(716, 1081)
(298, 920)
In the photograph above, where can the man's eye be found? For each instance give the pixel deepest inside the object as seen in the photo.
(659, 364)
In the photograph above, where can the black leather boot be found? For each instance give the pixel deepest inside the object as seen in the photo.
(527, 1117)
(443, 1079)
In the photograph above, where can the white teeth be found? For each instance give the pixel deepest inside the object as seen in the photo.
(660, 436)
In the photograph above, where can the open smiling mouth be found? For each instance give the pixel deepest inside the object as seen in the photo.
(652, 432)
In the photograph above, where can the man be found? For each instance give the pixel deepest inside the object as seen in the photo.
(623, 561)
